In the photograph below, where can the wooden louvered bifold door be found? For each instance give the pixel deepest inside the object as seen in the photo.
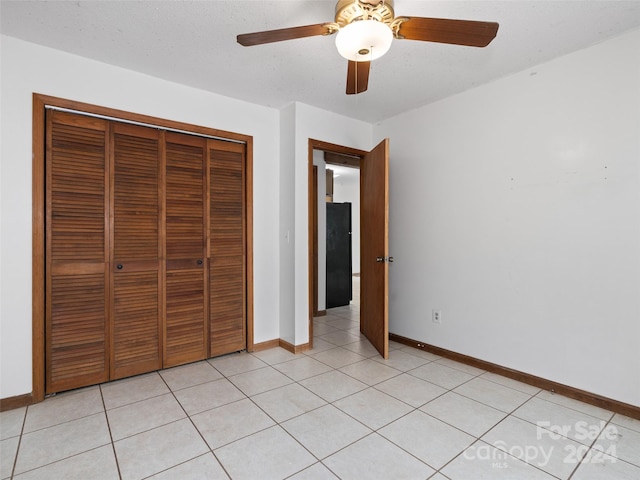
(227, 251)
(77, 304)
(185, 334)
(137, 251)
(145, 249)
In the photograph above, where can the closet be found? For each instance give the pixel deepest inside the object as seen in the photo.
(145, 249)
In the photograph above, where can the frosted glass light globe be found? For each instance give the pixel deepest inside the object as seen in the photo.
(364, 40)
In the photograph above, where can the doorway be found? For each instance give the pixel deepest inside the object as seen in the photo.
(330, 162)
(373, 193)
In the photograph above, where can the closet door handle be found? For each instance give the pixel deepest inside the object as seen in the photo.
(120, 266)
(200, 262)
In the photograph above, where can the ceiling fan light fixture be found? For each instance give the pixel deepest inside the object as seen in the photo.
(364, 40)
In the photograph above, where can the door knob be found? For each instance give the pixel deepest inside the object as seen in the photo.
(384, 259)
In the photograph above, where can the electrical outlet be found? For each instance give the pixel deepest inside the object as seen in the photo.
(436, 316)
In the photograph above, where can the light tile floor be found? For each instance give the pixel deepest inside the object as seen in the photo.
(336, 411)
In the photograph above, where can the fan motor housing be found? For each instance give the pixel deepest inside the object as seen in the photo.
(348, 11)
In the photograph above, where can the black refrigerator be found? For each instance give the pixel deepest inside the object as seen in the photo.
(339, 281)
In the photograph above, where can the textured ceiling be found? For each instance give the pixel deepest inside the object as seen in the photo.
(194, 43)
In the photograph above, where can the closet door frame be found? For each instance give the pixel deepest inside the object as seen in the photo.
(38, 290)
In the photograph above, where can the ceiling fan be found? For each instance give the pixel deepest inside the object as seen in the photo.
(366, 28)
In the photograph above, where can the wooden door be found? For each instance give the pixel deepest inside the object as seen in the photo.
(144, 260)
(136, 251)
(77, 252)
(227, 248)
(185, 332)
(374, 247)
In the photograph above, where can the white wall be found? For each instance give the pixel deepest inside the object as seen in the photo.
(515, 208)
(28, 68)
(347, 189)
(318, 160)
(286, 273)
(312, 122)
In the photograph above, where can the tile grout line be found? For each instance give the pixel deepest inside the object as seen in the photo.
(113, 444)
(15, 459)
(612, 414)
(414, 409)
(477, 439)
(507, 416)
(53, 462)
(371, 432)
(194, 425)
(608, 422)
(377, 430)
(54, 396)
(276, 423)
(279, 424)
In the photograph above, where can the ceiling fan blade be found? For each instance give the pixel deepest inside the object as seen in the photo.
(269, 36)
(357, 77)
(442, 30)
